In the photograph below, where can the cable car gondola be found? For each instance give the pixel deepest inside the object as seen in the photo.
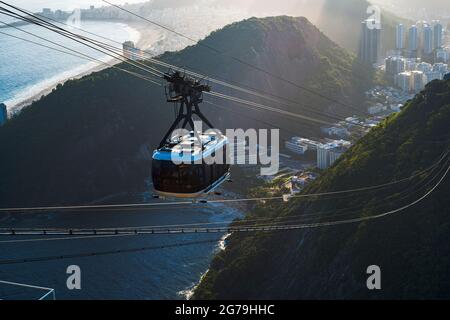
(183, 166)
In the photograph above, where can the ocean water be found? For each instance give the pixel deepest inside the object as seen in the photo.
(28, 69)
(168, 273)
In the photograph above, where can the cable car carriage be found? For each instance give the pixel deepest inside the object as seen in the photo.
(189, 164)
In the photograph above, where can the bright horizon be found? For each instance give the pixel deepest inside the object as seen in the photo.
(67, 4)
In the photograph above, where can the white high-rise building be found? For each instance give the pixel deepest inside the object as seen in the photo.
(419, 80)
(442, 55)
(410, 64)
(438, 36)
(370, 43)
(442, 68)
(404, 81)
(413, 39)
(424, 67)
(328, 153)
(400, 37)
(433, 75)
(394, 65)
(427, 40)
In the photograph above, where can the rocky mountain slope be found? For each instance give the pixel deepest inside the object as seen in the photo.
(410, 246)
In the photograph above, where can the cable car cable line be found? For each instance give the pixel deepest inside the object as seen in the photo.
(272, 109)
(236, 59)
(141, 66)
(77, 54)
(188, 93)
(104, 46)
(242, 224)
(230, 229)
(34, 19)
(79, 39)
(256, 199)
(147, 57)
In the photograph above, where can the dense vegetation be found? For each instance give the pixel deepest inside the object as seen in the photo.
(94, 136)
(411, 246)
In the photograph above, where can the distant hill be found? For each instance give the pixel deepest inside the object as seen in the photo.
(341, 18)
(411, 247)
(94, 136)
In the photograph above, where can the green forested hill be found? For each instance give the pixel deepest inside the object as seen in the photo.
(94, 136)
(412, 247)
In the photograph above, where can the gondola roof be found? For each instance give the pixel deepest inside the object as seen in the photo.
(187, 149)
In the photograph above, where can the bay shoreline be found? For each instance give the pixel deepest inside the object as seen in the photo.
(147, 38)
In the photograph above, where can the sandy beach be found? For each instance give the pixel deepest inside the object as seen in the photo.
(147, 38)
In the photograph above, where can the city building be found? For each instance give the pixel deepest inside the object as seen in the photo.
(130, 51)
(377, 108)
(337, 131)
(328, 153)
(442, 68)
(428, 40)
(370, 43)
(413, 40)
(296, 146)
(400, 37)
(3, 114)
(403, 81)
(433, 75)
(301, 145)
(418, 79)
(411, 64)
(438, 36)
(424, 67)
(47, 11)
(442, 55)
(394, 65)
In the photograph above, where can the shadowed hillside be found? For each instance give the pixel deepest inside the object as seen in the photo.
(330, 262)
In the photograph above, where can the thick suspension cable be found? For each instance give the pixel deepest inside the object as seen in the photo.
(114, 231)
(255, 199)
(75, 53)
(110, 48)
(238, 60)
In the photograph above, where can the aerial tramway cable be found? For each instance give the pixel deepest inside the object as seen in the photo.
(82, 40)
(140, 65)
(231, 229)
(255, 199)
(238, 60)
(118, 57)
(76, 54)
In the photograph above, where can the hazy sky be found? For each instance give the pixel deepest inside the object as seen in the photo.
(64, 4)
(293, 7)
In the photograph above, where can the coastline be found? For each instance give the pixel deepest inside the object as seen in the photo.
(189, 292)
(144, 38)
